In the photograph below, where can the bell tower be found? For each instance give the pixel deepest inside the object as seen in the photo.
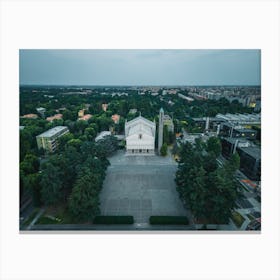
(160, 129)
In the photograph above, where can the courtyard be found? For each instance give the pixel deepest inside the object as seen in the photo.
(141, 186)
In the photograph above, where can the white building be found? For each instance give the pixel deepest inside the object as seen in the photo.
(48, 139)
(140, 136)
(41, 111)
(102, 135)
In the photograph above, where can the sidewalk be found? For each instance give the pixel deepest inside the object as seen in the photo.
(39, 214)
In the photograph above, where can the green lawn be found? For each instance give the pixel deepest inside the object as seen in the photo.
(58, 214)
(46, 220)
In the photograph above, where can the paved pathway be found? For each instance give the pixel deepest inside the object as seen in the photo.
(35, 219)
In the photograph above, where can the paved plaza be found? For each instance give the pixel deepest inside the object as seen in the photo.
(140, 186)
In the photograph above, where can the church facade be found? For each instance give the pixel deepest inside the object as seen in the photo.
(140, 136)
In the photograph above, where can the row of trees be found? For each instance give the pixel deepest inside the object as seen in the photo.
(209, 190)
(75, 176)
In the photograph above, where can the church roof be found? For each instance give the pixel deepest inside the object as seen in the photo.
(140, 125)
(140, 118)
(140, 129)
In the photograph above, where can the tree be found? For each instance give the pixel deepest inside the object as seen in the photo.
(33, 182)
(30, 164)
(233, 163)
(90, 133)
(64, 139)
(163, 150)
(74, 143)
(51, 185)
(69, 115)
(104, 122)
(108, 145)
(68, 163)
(214, 145)
(209, 191)
(210, 163)
(165, 134)
(84, 200)
(81, 126)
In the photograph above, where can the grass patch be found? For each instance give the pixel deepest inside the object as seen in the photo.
(31, 217)
(48, 220)
(168, 220)
(237, 219)
(61, 213)
(111, 220)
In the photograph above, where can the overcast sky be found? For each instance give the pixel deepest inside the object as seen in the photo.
(140, 67)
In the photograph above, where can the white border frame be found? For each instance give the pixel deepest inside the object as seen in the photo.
(123, 24)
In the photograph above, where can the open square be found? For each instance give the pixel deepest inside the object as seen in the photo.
(141, 186)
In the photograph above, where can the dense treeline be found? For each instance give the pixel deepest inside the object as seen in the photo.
(147, 104)
(209, 190)
(74, 177)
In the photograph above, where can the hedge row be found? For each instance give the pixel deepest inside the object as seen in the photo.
(169, 220)
(110, 220)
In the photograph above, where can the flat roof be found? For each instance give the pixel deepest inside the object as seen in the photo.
(53, 131)
(233, 140)
(254, 152)
(213, 119)
(102, 134)
(240, 117)
(244, 130)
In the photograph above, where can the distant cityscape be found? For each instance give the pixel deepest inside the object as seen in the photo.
(246, 95)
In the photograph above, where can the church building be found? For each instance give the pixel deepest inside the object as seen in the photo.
(140, 136)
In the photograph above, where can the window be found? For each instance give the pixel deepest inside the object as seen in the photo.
(140, 136)
(140, 151)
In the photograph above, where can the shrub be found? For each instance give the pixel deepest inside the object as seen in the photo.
(111, 220)
(163, 150)
(169, 220)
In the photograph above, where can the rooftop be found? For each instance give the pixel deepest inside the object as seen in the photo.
(54, 117)
(53, 131)
(245, 130)
(253, 151)
(240, 117)
(85, 117)
(233, 140)
(102, 134)
(140, 118)
(30, 116)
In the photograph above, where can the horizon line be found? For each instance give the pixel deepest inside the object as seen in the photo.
(135, 85)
